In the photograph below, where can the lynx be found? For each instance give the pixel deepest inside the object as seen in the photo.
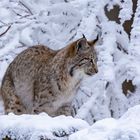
(44, 80)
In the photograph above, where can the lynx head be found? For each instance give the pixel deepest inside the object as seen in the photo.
(83, 56)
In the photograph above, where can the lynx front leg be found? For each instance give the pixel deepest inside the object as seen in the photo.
(66, 109)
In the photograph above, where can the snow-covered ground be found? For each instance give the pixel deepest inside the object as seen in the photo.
(125, 128)
(36, 127)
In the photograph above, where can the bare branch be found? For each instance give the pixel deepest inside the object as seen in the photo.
(5, 31)
(84, 92)
(26, 7)
(16, 13)
(119, 46)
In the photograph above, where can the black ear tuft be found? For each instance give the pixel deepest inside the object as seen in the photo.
(92, 43)
(97, 38)
(84, 36)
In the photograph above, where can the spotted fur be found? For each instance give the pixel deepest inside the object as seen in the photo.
(43, 80)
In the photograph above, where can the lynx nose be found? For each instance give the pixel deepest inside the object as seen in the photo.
(96, 69)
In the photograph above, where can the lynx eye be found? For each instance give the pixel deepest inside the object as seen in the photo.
(85, 59)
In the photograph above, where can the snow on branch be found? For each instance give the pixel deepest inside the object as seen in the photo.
(126, 10)
(135, 33)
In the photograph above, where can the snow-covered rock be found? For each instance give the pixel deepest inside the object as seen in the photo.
(38, 127)
(42, 127)
(125, 128)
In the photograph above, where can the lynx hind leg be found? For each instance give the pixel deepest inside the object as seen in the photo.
(11, 102)
(15, 106)
(66, 109)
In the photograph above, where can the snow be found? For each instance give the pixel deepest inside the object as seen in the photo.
(56, 23)
(125, 128)
(31, 127)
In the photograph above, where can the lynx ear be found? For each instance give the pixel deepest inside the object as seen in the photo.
(92, 43)
(81, 44)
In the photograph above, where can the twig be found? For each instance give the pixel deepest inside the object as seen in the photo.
(5, 31)
(84, 92)
(16, 13)
(2, 22)
(119, 46)
(26, 7)
(98, 20)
